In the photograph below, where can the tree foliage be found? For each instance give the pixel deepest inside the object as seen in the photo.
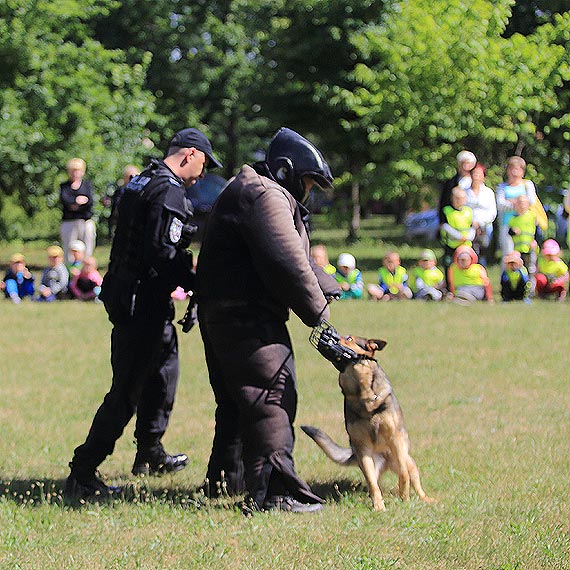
(389, 90)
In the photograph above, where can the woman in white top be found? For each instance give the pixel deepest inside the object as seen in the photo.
(481, 199)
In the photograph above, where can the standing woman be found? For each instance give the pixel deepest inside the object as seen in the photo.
(481, 199)
(507, 193)
(76, 197)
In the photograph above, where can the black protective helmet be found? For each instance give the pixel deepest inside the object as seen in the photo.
(290, 157)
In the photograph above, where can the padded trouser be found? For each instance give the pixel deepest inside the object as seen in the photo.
(144, 358)
(252, 373)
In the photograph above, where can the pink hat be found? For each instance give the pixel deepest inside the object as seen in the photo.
(550, 247)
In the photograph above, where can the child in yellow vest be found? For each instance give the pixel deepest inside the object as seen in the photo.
(552, 274)
(515, 281)
(348, 277)
(467, 280)
(392, 280)
(427, 280)
(522, 229)
(458, 226)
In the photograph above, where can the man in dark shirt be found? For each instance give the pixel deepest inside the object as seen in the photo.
(148, 261)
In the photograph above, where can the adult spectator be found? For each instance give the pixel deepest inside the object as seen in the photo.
(76, 197)
(253, 268)
(148, 261)
(481, 199)
(507, 193)
(466, 161)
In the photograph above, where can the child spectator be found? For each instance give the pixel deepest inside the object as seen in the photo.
(77, 251)
(320, 256)
(515, 281)
(457, 229)
(348, 277)
(552, 274)
(55, 278)
(18, 281)
(86, 285)
(522, 228)
(467, 279)
(392, 280)
(427, 280)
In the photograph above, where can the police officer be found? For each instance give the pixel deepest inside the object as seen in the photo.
(253, 268)
(148, 261)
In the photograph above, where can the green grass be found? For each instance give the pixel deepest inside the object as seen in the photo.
(484, 390)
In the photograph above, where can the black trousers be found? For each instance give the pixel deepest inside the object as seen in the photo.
(144, 359)
(252, 374)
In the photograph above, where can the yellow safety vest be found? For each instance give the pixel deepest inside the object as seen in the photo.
(526, 223)
(460, 220)
(391, 280)
(469, 276)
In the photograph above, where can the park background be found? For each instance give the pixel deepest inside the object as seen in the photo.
(390, 91)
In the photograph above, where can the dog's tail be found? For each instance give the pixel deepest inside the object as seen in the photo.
(341, 455)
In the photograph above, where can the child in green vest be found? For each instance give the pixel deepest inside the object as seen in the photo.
(458, 226)
(467, 280)
(552, 274)
(427, 280)
(392, 280)
(522, 228)
(515, 281)
(348, 277)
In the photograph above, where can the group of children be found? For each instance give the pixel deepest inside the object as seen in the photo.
(464, 281)
(78, 280)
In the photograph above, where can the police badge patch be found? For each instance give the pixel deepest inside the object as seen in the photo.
(175, 231)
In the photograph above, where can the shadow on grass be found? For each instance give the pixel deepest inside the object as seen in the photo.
(39, 492)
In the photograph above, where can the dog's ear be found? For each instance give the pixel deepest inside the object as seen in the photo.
(375, 344)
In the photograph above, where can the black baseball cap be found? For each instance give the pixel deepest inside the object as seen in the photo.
(187, 138)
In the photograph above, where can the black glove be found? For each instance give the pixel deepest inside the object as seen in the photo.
(188, 231)
(326, 340)
(190, 317)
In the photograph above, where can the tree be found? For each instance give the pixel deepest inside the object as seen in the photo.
(64, 95)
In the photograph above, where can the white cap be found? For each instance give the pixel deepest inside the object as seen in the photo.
(346, 260)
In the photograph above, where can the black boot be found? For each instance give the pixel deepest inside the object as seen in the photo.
(155, 461)
(85, 485)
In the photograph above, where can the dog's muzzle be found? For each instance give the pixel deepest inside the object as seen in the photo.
(326, 340)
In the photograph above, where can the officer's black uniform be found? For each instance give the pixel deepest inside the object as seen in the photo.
(148, 261)
(253, 268)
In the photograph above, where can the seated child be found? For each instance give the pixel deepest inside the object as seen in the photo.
(427, 280)
(522, 228)
(320, 256)
(467, 279)
(392, 280)
(515, 281)
(348, 277)
(55, 278)
(86, 285)
(457, 229)
(77, 250)
(18, 281)
(552, 273)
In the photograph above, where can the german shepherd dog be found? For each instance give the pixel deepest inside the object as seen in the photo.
(375, 425)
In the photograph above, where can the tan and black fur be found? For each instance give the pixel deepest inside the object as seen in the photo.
(375, 425)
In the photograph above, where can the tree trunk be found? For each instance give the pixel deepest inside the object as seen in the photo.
(354, 231)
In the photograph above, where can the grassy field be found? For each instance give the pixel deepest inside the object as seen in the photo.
(484, 390)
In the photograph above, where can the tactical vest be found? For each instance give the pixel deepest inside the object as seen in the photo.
(459, 220)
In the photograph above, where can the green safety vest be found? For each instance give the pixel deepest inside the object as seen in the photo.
(469, 276)
(431, 277)
(329, 269)
(526, 223)
(460, 220)
(552, 269)
(392, 279)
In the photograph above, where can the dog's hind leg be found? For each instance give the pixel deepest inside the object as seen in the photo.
(399, 450)
(368, 468)
(415, 479)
